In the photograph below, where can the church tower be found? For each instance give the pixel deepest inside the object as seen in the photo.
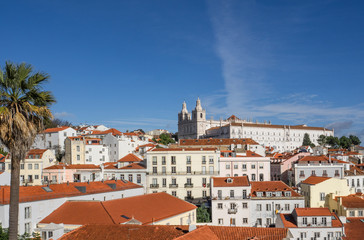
(184, 123)
(199, 119)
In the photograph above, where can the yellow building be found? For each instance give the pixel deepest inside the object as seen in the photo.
(348, 206)
(318, 190)
(31, 169)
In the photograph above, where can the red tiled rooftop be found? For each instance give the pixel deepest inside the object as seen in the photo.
(182, 149)
(130, 158)
(354, 228)
(113, 131)
(73, 166)
(313, 180)
(126, 232)
(321, 158)
(38, 193)
(134, 166)
(312, 212)
(235, 181)
(289, 221)
(271, 186)
(352, 201)
(217, 141)
(57, 129)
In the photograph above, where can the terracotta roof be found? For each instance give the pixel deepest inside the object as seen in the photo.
(353, 201)
(182, 149)
(58, 129)
(313, 180)
(321, 158)
(300, 127)
(231, 181)
(217, 141)
(126, 232)
(312, 212)
(78, 213)
(289, 221)
(38, 193)
(134, 166)
(2, 158)
(236, 233)
(353, 171)
(113, 131)
(354, 228)
(110, 165)
(271, 186)
(147, 208)
(130, 158)
(35, 152)
(74, 166)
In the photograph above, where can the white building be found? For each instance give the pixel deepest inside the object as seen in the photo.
(53, 138)
(37, 202)
(312, 223)
(247, 163)
(182, 172)
(282, 137)
(31, 169)
(238, 202)
(355, 179)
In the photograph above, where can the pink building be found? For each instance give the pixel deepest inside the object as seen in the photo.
(71, 173)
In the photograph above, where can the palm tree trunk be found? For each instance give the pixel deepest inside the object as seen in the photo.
(14, 198)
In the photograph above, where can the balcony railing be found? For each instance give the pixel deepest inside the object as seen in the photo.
(186, 173)
(154, 185)
(232, 210)
(173, 185)
(205, 184)
(302, 175)
(324, 174)
(229, 198)
(189, 198)
(188, 185)
(337, 175)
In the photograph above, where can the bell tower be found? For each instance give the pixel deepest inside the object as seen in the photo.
(199, 119)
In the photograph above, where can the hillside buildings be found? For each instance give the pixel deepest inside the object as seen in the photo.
(194, 125)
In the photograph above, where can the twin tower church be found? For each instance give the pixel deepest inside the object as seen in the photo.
(193, 125)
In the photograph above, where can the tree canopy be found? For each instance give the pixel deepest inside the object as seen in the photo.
(307, 141)
(165, 139)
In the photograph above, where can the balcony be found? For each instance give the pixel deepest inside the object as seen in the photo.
(189, 198)
(232, 210)
(173, 185)
(188, 185)
(230, 198)
(205, 184)
(154, 185)
(203, 161)
(324, 174)
(302, 175)
(337, 175)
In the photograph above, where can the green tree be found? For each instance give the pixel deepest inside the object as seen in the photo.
(332, 141)
(4, 234)
(3, 152)
(354, 140)
(165, 139)
(24, 106)
(322, 140)
(307, 141)
(345, 142)
(203, 214)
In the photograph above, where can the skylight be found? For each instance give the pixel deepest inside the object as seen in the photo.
(47, 189)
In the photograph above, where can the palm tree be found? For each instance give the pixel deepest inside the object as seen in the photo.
(23, 110)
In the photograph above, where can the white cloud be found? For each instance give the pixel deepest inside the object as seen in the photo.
(62, 114)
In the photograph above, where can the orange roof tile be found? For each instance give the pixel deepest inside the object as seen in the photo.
(313, 180)
(130, 158)
(125, 232)
(289, 221)
(113, 131)
(235, 181)
(312, 212)
(35, 152)
(147, 208)
(217, 141)
(57, 129)
(38, 193)
(271, 186)
(182, 149)
(134, 166)
(354, 228)
(74, 166)
(321, 158)
(353, 201)
(78, 213)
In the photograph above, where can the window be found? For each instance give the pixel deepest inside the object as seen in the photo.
(352, 213)
(296, 205)
(139, 178)
(269, 221)
(314, 220)
(268, 207)
(302, 174)
(245, 205)
(188, 169)
(261, 165)
(231, 193)
(36, 166)
(27, 212)
(244, 194)
(154, 160)
(259, 221)
(236, 166)
(253, 177)
(253, 166)
(27, 227)
(173, 160)
(130, 177)
(232, 221)
(163, 160)
(30, 166)
(164, 170)
(78, 148)
(278, 206)
(337, 173)
(286, 207)
(50, 234)
(78, 157)
(304, 221)
(360, 213)
(259, 207)
(261, 177)
(232, 205)
(323, 221)
(9, 166)
(204, 193)
(155, 169)
(244, 167)
(36, 176)
(219, 194)
(303, 235)
(211, 169)
(22, 166)
(164, 182)
(173, 169)
(174, 193)
(227, 166)
(221, 221)
(316, 235)
(203, 159)
(188, 160)
(313, 173)
(322, 196)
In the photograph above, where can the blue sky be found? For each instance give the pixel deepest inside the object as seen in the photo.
(131, 64)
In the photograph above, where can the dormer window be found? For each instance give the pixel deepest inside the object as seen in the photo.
(287, 194)
(229, 180)
(259, 194)
(269, 194)
(278, 194)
